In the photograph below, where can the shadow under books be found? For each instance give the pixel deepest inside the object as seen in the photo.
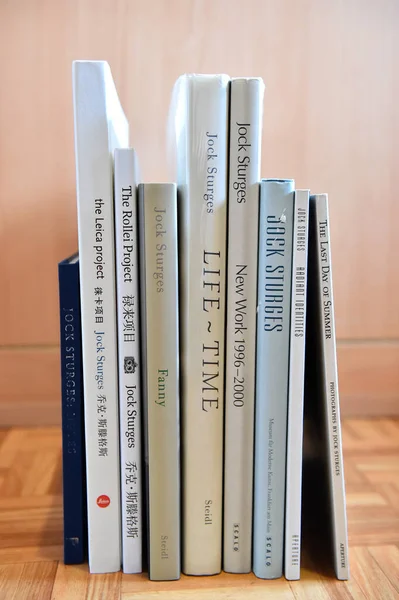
(51, 539)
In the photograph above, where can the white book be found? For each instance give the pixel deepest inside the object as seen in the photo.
(276, 221)
(201, 121)
(296, 382)
(100, 127)
(129, 356)
(324, 370)
(160, 326)
(246, 112)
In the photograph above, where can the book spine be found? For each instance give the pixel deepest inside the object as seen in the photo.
(160, 320)
(129, 356)
(246, 107)
(331, 393)
(202, 176)
(94, 157)
(272, 356)
(292, 558)
(73, 460)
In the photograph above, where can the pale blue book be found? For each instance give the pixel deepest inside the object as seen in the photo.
(272, 366)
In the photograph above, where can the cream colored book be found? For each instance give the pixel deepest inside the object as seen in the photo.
(100, 127)
(246, 112)
(201, 125)
(160, 337)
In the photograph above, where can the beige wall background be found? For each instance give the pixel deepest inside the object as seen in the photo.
(331, 121)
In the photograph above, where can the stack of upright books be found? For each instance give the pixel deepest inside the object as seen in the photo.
(199, 317)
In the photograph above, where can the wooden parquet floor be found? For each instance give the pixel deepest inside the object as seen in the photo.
(31, 565)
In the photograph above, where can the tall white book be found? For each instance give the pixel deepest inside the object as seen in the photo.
(201, 121)
(296, 386)
(246, 112)
(129, 356)
(100, 127)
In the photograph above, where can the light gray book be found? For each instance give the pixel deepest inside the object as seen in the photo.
(324, 465)
(126, 174)
(272, 361)
(160, 355)
(246, 112)
(201, 125)
(293, 504)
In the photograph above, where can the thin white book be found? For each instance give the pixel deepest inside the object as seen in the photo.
(296, 383)
(129, 356)
(100, 127)
(246, 113)
(201, 125)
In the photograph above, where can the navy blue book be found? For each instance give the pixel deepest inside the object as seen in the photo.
(73, 450)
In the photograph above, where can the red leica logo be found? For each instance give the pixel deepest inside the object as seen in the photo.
(103, 501)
